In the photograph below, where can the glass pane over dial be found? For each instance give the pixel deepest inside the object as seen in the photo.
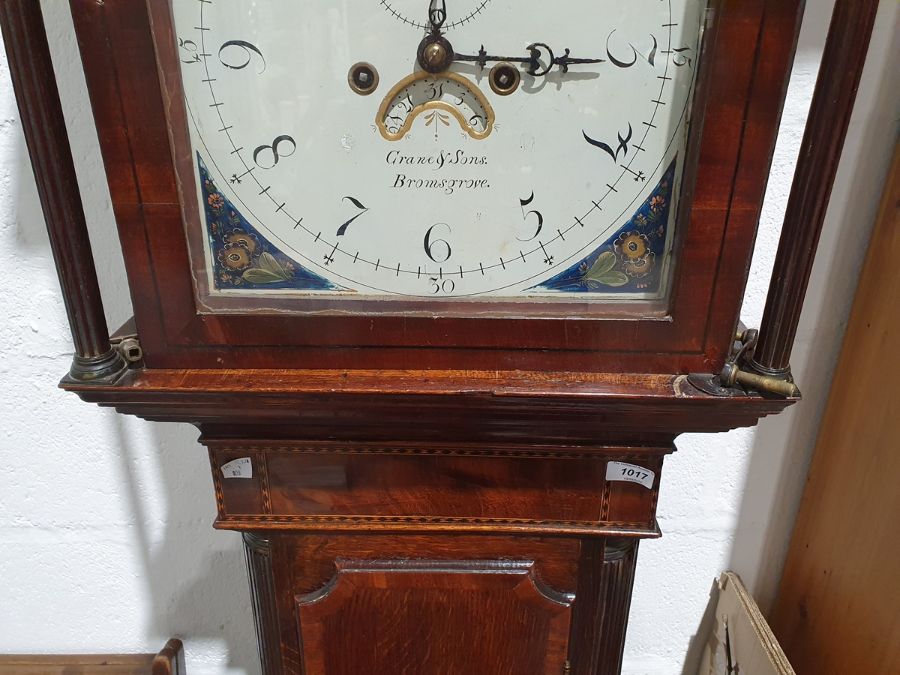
(540, 161)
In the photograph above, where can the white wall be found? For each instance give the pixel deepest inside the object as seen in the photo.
(106, 541)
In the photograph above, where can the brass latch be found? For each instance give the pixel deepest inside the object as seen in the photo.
(129, 347)
(725, 384)
(732, 375)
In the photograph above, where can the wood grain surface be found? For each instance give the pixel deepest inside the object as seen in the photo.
(169, 661)
(466, 406)
(384, 617)
(837, 611)
(840, 73)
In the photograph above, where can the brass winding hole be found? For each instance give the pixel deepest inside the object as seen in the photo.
(363, 78)
(505, 79)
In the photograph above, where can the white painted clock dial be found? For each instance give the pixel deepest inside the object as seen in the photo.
(434, 186)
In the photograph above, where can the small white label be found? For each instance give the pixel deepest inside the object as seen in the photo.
(238, 468)
(630, 473)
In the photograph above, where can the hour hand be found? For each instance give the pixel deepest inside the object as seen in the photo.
(539, 62)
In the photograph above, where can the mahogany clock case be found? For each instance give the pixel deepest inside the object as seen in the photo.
(469, 510)
(129, 51)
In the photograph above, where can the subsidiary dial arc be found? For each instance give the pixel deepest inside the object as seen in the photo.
(423, 92)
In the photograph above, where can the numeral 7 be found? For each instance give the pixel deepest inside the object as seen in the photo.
(342, 230)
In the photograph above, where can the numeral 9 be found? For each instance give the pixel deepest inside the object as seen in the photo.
(248, 51)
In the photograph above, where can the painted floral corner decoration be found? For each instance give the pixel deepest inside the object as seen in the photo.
(244, 259)
(628, 261)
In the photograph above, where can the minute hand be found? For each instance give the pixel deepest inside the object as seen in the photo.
(533, 60)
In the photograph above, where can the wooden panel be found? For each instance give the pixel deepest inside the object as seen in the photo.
(309, 486)
(593, 576)
(741, 636)
(435, 484)
(559, 409)
(240, 495)
(304, 565)
(837, 609)
(170, 661)
(631, 502)
(434, 617)
(75, 665)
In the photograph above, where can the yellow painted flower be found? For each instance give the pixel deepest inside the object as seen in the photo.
(641, 267)
(241, 238)
(632, 246)
(235, 257)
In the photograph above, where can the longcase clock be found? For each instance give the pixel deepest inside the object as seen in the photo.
(440, 283)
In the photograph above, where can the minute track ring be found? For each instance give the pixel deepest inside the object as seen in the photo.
(386, 5)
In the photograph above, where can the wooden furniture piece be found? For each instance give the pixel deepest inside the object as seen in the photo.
(435, 486)
(741, 640)
(836, 611)
(169, 661)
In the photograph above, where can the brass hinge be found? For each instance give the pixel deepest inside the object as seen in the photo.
(567, 669)
(726, 383)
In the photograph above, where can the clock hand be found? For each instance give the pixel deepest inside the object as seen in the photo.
(533, 60)
(437, 15)
(435, 53)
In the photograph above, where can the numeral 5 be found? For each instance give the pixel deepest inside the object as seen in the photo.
(527, 214)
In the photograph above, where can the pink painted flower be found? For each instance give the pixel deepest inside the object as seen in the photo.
(216, 201)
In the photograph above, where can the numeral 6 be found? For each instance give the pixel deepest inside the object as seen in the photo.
(438, 249)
